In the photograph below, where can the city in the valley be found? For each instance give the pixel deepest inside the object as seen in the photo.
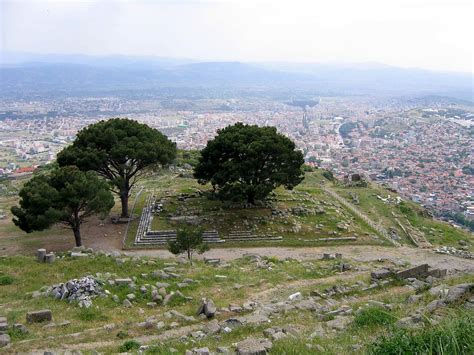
(423, 150)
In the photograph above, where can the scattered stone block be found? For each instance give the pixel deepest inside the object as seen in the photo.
(49, 258)
(438, 273)
(125, 281)
(235, 308)
(212, 261)
(295, 297)
(257, 318)
(40, 254)
(345, 267)
(408, 323)
(381, 274)
(252, 346)
(456, 293)
(4, 340)
(20, 328)
(416, 272)
(78, 255)
(327, 256)
(339, 323)
(212, 327)
(3, 324)
(439, 291)
(207, 308)
(44, 315)
(232, 323)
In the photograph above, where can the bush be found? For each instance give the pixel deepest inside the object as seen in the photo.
(122, 335)
(6, 280)
(373, 316)
(129, 345)
(328, 175)
(455, 336)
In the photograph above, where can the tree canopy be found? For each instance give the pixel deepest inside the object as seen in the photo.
(189, 241)
(120, 150)
(65, 195)
(245, 162)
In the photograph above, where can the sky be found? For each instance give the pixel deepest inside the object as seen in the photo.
(430, 34)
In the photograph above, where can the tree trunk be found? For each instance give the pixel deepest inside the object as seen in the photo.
(77, 236)
(124, 201)
(251, 197)
(190, 257)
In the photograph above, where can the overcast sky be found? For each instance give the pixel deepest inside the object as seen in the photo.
(433, 34)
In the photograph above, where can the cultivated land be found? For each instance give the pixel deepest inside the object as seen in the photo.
(340, 309)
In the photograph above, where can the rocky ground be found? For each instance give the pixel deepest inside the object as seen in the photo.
(331, 300)
(361, 253)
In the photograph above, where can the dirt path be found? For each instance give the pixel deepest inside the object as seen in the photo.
(268, 294)
(358, 253)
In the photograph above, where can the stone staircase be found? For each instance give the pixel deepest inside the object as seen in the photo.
(248, 236)
(415, 236)
(164, 236)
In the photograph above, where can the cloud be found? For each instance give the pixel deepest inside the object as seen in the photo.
(432, 34)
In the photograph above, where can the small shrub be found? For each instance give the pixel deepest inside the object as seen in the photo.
(373, 316)
(6, 280)
(122, 335)
(129, 345)
(328, 175)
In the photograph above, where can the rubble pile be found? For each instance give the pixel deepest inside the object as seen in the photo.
(81, 290)
(456, 252)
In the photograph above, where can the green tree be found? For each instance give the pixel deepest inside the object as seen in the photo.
(66, 195)
(245, 162)
(189, 241)
(121, 151)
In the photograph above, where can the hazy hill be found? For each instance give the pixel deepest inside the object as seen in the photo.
(49, 73)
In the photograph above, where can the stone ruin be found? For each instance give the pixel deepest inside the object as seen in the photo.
(44, 257)
(81, 290)
(356, 180)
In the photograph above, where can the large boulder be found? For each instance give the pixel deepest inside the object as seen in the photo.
(458, 292)
(212, 327)
(207, 308)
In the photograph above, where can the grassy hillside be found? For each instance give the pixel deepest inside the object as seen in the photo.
(302, 216)
(108, 324)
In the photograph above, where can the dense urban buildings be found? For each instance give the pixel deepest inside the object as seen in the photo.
(424, 151)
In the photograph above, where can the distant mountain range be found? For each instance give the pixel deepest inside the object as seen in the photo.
(35, 74)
